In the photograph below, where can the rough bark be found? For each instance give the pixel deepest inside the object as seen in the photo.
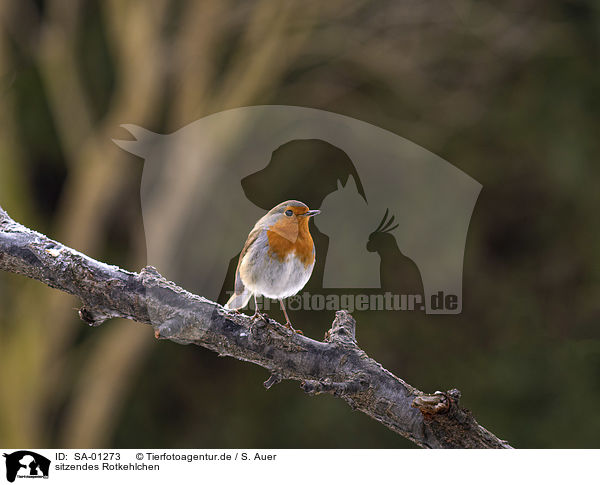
(336, 366)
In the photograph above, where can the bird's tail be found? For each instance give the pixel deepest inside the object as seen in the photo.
(238, 300)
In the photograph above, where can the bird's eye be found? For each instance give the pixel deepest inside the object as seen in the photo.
(288, 213)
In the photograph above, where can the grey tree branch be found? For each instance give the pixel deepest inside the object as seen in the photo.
(336, 366)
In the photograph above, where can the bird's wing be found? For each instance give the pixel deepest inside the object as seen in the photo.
(241, 294)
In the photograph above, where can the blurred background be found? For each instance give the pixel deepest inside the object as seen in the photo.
(508, 94)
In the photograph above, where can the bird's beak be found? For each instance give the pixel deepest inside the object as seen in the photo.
(311, 213)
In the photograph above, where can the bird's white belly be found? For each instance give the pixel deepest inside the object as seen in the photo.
(275, 279)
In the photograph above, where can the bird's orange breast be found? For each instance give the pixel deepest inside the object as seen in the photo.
(287, 237)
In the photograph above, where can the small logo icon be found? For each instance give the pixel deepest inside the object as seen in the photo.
(26, 464)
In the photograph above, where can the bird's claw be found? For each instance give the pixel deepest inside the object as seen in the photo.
(289, 325)
(260, 316)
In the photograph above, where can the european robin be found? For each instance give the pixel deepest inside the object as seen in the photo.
(278, 257)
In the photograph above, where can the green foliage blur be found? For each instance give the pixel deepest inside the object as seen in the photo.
(507, 92)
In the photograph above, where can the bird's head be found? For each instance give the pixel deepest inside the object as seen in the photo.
(382, 231)
(289, 218)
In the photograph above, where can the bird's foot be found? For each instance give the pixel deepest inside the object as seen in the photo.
(289, 325)
(260, 316)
